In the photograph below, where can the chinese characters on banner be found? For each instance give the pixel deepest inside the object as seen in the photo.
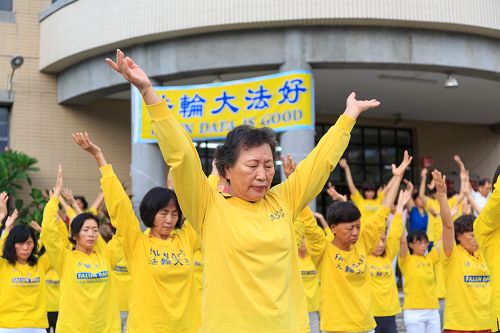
(282, 102)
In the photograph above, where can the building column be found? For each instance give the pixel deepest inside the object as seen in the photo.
(300, 142)
(148, 169)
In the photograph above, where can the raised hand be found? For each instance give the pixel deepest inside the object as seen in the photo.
(83, 140)
(336, 196)
(9, 223)
(67, 194)
(343, 164)
(355, 107)
(409, 186)
(423, 173)
(3, 205)
(34, 224)
(130, 71)
(321, 219)
(403, 198)
(56, 192)
(439, 181)
(288, 164)
(400, 170)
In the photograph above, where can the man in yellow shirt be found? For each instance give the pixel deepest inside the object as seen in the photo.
(251, 279)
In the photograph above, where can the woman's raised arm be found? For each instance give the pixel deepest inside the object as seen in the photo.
(312, 173)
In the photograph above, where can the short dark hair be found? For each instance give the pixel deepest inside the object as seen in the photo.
(463, 224)
(19, 234)
(156, 199)
(244, 136)
(77, 224)
(369, 186)
(483, 182)
(83, 200)
(416, 235)
(342, 212)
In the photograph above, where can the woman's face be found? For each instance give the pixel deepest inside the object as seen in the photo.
(87, 237)
(165, 221)
(418, 247)
(468, 242)
(24, 250)
(379, 249)
(347, 233)
(251, 176)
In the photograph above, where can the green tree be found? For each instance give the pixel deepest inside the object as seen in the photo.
(15, 169)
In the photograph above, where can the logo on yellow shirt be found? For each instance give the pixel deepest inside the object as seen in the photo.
(277, 215)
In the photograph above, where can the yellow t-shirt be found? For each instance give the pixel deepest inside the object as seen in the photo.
(162, 288)
(467, 306)
(120, 276)
(487, 234)
(385, 297)
(345, 283)
(87, 301)
(367, 207)
(23, 294)
(419, 281)
(252, 281)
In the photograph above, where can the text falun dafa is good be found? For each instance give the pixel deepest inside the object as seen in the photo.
(283, 102)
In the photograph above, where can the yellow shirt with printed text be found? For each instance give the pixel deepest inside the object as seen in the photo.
(23, 294)
(467, 306)
(251, 277)
(345, 281)
(419, 281)
(87, 301)
(163, 296)
(385, 297)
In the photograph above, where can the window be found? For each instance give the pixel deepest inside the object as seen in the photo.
(370, 153)
(6, 5)
(4, 128)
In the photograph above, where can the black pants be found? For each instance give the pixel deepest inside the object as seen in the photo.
(52, 318)
(386, 325)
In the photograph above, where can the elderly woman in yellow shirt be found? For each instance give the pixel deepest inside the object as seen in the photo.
(467, 276)
(251, 277)
(160, 263)
(487, 235)
(344, 275)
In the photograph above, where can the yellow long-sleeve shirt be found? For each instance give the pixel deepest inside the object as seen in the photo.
(310, 275)
(385, 298)
(344, 276)
(487, 234)
(419, 280)
(23, 294)
(252, 280)
(120, 276)
(467, 306)
(87, 302)
(162, 288)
